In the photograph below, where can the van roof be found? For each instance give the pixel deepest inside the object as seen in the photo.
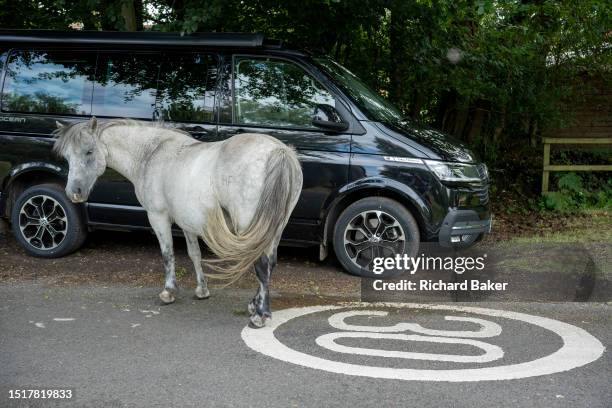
(150, 38)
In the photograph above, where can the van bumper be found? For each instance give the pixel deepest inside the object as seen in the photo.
(461, 223)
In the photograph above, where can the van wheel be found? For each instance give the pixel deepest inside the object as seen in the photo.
(374, 227)
(46, 223)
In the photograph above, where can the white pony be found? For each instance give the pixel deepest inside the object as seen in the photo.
(236, 194)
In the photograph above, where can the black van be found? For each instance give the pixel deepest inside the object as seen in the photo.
(374, 181)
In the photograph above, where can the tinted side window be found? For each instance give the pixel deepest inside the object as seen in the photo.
(275, 93)
(49, 82)
(186, 90)
(126, 85)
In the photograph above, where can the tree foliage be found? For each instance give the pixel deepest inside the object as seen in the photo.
(489, 72)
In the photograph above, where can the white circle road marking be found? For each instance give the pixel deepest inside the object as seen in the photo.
(579, 348)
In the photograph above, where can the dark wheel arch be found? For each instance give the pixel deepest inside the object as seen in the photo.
(343, 201)
(20, 181)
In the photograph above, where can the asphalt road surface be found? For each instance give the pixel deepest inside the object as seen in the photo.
(116, 346)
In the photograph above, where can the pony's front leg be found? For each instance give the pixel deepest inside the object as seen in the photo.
(193, 249)
(259, 307)
(163, 230)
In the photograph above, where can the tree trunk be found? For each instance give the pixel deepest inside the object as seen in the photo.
(501, 124)
(477, 120)
(533, 141)
(446, 103)
(395, 70)
(128, 12)
(460, 120)
(415, 105)
(138, 12)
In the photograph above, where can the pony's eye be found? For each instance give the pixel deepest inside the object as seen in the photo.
(89, 152)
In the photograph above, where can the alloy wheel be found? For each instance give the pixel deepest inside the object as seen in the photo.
(373, 234)
(43, 222)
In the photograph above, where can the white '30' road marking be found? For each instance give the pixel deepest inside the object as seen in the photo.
(491, 352)
(579, 347)
(488, 329)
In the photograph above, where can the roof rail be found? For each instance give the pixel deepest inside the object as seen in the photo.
(132, 38)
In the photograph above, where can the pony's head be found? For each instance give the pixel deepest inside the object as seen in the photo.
(80, 145)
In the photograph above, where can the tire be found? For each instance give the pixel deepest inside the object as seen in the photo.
(351, 243)
(36, 234)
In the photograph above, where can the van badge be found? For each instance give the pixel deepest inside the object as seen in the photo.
(403, 159)
(12, 119)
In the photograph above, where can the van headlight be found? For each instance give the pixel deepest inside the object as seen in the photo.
(455, 172)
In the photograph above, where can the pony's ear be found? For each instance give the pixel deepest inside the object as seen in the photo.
(59, 124)
(93, 123)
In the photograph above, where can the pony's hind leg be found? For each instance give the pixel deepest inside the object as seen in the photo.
(193, 249)
(163, 230)
(259, 307)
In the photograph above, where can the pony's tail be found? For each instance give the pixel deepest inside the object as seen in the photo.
(237, 251)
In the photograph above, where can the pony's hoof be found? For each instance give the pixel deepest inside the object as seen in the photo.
(257, 322)
(202, 293)
(167, 297)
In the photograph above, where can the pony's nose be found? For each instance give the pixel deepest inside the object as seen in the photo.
(78, 190)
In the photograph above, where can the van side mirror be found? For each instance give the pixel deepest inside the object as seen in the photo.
(327, 117)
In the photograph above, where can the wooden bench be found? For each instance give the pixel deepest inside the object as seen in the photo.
(571, 167)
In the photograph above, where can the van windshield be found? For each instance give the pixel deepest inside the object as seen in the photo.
(371, 103)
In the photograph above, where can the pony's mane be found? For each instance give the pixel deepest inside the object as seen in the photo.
(69, 135)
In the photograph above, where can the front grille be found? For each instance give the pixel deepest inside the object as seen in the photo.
(475, 193)
(483, 191)
(483, 194)
(483, 172)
